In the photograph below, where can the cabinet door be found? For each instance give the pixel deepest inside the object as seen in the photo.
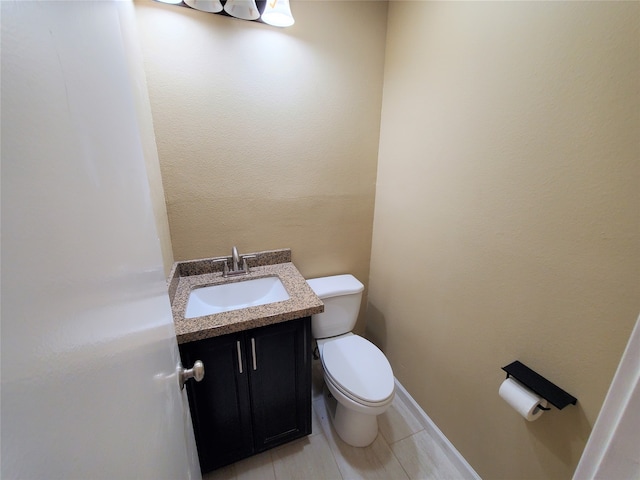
(280, 379)
(220, 406)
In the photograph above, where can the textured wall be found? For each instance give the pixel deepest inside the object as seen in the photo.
(506, 223)
(268, 137)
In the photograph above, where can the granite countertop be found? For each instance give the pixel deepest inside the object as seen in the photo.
(185, 276)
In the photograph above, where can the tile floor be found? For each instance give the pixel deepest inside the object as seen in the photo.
(402, 450)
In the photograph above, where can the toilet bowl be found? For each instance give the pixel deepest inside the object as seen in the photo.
(358, 377)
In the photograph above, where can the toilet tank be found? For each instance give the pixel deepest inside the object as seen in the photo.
(341, 295)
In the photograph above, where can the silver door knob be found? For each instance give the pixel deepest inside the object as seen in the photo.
(197, 373)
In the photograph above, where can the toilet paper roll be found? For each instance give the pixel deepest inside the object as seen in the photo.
(523, 400)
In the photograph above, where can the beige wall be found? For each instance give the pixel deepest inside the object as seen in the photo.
(267, 137)
(506, 223)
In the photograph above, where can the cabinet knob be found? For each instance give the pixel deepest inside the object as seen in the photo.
(197, 373)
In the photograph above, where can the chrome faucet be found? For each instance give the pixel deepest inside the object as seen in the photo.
(235, 258)
(235, 264)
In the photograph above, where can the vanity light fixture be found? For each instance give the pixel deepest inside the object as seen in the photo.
(244, 9)
(211, 6)
(276, 13)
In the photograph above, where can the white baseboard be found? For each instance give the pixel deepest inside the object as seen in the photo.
(452, 453)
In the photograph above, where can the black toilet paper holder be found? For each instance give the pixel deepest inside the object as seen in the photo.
(539, 385)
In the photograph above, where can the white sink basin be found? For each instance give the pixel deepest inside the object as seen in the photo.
(234, 296)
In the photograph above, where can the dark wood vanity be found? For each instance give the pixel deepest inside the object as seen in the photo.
(256, 393)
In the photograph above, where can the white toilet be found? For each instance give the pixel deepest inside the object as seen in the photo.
(356, 372)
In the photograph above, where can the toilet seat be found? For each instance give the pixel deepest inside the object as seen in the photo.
(358, 369)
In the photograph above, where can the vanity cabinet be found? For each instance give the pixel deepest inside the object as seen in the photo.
(256, 393)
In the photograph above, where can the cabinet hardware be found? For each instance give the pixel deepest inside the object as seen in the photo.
(253, 352)
(239, 356)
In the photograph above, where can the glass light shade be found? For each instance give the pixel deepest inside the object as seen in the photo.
(278, 13)
(244, 9)
(212, 6)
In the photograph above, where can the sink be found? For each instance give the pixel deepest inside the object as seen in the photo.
(234, 296)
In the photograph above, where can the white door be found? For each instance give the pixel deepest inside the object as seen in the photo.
(89, 356)
(613, 449)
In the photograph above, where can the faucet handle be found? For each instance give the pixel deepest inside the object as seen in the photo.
(225, 265)
(245, 265)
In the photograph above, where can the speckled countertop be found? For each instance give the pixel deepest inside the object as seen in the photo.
(205, 272)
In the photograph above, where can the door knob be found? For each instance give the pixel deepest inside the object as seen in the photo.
(197, 373)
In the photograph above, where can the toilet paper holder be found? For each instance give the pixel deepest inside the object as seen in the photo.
(539, 385)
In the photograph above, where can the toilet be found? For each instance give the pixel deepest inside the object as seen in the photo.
(357, 375)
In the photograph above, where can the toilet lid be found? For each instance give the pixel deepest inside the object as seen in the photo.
(359, 368)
